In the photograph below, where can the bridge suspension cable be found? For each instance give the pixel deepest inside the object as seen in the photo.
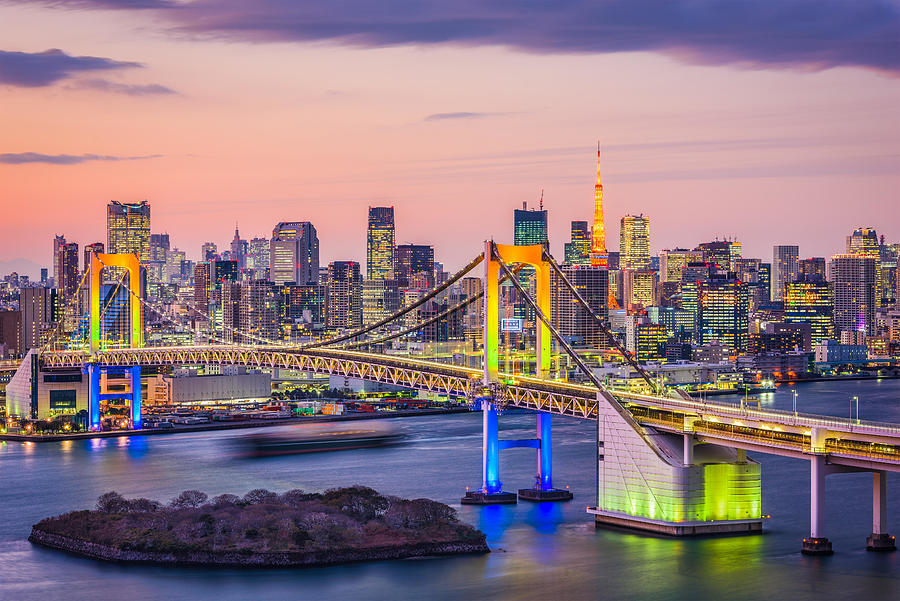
(626, 354)
(415, 305)
(614, 403)
(424, 324)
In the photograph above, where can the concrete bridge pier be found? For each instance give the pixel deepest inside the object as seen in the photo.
(879, 540)
(491, 492)
(816, 543)
(543, 487)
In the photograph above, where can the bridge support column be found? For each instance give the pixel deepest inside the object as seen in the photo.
(688, 449)
(491, 488)
(93, 373)
(136, 397)
(543, 486)
(816, 544)
(879, 540)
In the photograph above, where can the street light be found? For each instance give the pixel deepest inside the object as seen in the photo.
(795, 402)
(856, 398)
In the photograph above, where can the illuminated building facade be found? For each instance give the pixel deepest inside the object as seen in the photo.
(380, 244)
(203, 284)
(571, 319)
(257, 261)
(128, 228)
(723, 253)
(529, 226)
(344, 295)
(634, 242)
(811, 269)
(380, 299)
(294, 253)
(208, 251)
(69, 274)
(413, 259)
(672, 262)
(640, 287)
(58, 242)
(811, 301)
(239, 249)
(38, 314)
(723, 313)
(784, 268)
(578, 251)
(853, 279)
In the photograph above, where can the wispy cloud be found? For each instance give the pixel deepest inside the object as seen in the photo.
(22, 158)
(105, 85)
(461, 115)
(795, 34)
(45, 68)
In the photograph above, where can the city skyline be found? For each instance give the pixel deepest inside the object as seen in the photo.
(753, 137)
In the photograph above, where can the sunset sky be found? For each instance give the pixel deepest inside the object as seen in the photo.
(772, 121)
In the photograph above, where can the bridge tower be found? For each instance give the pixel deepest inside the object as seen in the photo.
(491, 487)
(93, 368)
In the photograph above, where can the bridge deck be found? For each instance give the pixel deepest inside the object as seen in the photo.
(780, 432)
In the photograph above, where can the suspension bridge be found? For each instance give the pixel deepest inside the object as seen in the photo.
(665, 462)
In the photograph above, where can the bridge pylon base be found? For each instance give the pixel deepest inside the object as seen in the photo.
(478, 497)
(881, 542)
(816, 546)
(540, 496)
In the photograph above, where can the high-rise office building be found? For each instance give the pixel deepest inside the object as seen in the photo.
(639, 287)
(864, 242)
(811, 269)
(344, 295)
(599, 253)
(259, 311)
(529, 226)
(208, 251)
(239, 249)
(203, 286)
(784, 268)
(672, 262)
(257, 260)
(413, 259)
(58, 242)
(573, 321)
(91, 249)
(723, 313)
(723, 253)
(380, 243)
(810, 300)
(380, 298)
(294, 253)
(68, 277)
(634, 242)
(128, 228)
(38, 314)
(175, 266)
(578, 251)
(853, 279)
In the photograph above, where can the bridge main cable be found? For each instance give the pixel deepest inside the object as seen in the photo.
(458, 307)
(434, 292)
(626, 354)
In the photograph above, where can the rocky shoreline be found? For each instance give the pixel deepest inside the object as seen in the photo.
(234, 559)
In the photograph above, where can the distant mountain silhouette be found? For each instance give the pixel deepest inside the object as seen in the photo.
(22, 267)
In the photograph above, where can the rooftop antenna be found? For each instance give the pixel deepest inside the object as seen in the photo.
(542, 200)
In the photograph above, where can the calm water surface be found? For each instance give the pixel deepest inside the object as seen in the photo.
(540, 551)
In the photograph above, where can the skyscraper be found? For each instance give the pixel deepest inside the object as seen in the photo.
(344, 295)
(573, 320)
(68, 279)
(294, 253)
(634, 242)
(578, 251)
(811, 269)
(784, 268)
(864, 242)
(415, 259)
(529, 225)
(257, 259)
(380, 244)
(239, 249)
(723, 313)
(90, 249)
(58, 241)
(811, 300)
(672, 262)
(128, 228)
(208, 251)
(853, 277)
(599, 254)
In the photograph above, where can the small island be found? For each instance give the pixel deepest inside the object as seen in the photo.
(262, 529)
